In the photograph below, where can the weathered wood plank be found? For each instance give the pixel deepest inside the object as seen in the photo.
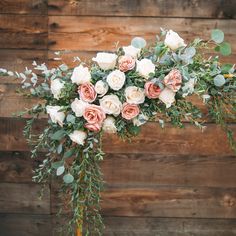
(135, 226)
(23, 32)
(36, 7)
(156, 170)
(40, 225)
(167, 8)
(99, 33)
(138, 169)
(17, 167)
(17, 60)
(197, 202)
(25, 225)
(23, 198)
(168, 141)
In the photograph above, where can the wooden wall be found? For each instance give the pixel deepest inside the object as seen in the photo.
(167, 182)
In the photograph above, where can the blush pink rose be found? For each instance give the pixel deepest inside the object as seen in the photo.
(87, 92)
(93, 127)
(126, 63)
(173, 80)
(129, 111)
(152, 90)
(95, 116)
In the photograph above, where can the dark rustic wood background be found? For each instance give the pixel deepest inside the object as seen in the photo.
(167, 182)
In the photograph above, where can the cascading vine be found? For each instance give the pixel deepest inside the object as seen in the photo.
(118, 93)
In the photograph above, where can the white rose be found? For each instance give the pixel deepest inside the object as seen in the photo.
(132, 51)
(140, 120)
(116, 80)
(173, 40)
(145, 67)
(78, 136)
(111, 105)
(56, 115)
(80, 75)
(167, 96)
(78, 107)
(106, 61)
(134, 95)
(109, 125)
(56, 87)
(101, 88)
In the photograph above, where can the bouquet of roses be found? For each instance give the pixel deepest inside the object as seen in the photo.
(117, 93)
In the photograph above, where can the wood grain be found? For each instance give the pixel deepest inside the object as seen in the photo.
(18, 59)
(156, 8)
(164, 201)
(152, 140)
(41, 225)
(99, 33)
(23, 198)
(25, 225)
(138, 169)
(23, 32)
(36, 7)
(137, 226)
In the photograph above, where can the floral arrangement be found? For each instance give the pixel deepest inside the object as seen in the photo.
(117, 93)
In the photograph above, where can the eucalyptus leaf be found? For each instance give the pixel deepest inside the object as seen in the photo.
(69, 153)
(59, 148)
(57, 164)
(60, 170)
(225, 49)
(226, 68)
(219, 80)
(138, 42)
(68, 178)
(70, 118)
(217, 35)
(58, 134)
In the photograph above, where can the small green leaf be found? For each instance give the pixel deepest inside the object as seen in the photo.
(138, 42)
(217, 48)
(226, 68)
(68, 178)
(57, 164)
(59, 148)
(225, 49)
(190, 52)
(217, 35)
(69, 153)
(60, 170)
(134, 130)
(58, 134)
(70, 118)
(219, 80)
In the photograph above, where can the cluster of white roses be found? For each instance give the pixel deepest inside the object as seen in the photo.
(102, 116)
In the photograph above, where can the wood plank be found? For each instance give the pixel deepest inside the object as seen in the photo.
(138, 169)
(156, 170)
(24, 198)
(18, 59)
(23, 32)
(41, 225)
(101, 33)
(167, 8)
(35, 7)
(164, 201)
(25, 225)
(137, 226)
(168, 141)
(16, 167)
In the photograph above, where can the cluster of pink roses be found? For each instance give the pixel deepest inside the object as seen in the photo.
(102, 116)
